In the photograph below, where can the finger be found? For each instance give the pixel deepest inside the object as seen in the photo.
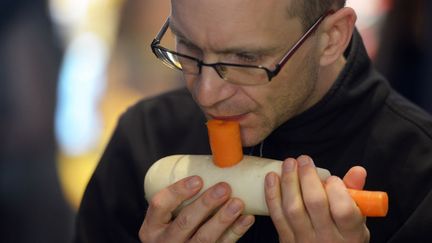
(315, 197)
(345, 213)
(294, 208)
(355, 178)
(193, 215)
(214, 228)
(168, 199)
(238, 229)
(274, 203)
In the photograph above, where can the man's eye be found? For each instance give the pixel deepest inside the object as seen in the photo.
(183, 45)
(246, 57)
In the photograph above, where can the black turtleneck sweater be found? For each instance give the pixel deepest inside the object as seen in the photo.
(360, 121)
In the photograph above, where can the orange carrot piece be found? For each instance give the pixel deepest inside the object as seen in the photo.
(370, 203)
(225, 142)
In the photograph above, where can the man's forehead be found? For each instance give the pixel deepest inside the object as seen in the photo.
(229, 18)
(232, 8)
(244, 13)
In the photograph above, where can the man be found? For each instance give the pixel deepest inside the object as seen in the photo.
(297, 78)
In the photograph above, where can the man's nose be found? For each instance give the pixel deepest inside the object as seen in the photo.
(210, 88)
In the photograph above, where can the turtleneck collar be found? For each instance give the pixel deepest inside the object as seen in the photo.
(356, 95)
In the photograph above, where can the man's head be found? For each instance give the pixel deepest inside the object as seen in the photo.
(258, 32)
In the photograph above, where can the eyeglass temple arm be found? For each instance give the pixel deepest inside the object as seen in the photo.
(158, 37)
(309, 32)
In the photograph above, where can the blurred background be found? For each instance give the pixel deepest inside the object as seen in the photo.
(69, 68)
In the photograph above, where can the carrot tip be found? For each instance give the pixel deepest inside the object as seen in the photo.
(225, 142)
(371, 203)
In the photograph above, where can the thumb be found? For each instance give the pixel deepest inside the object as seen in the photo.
(355, 178)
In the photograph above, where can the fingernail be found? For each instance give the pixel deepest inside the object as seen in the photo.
(234, 207)
(288, 165)
(247, 220)
(219, 191)
(270, 180)
(193, 183)
(304, 161)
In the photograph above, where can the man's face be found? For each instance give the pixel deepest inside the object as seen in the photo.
(247, 32)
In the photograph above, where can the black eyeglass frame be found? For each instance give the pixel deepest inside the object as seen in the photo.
(270, 73)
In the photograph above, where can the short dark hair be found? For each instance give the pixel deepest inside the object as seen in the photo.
(310, 10)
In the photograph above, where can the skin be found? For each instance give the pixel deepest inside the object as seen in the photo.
(303, 208)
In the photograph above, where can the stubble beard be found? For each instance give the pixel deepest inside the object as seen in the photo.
(295, 105)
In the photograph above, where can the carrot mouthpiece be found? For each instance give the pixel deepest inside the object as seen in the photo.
(225, 142)
(370, 203)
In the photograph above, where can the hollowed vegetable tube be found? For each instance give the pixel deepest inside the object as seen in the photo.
(245, 174)
(245, 178)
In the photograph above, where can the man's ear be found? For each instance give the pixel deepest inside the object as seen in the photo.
(336, 35)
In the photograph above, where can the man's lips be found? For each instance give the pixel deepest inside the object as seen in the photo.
(229, 118)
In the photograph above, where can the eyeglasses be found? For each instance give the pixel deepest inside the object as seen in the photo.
(239, 74)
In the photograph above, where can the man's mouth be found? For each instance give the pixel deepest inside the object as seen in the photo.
(230, 117)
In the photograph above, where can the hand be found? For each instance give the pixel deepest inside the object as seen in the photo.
(304, 209)
(195, 222)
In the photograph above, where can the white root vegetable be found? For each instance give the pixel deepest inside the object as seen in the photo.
(245, 178)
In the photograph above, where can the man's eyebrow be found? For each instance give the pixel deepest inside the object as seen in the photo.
(180, 35)
(175, 31)
(253, 50)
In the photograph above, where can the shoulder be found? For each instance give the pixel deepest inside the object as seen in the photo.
(170, 110)
(399, 161)
(165, 124)
(401, 132)
(405, 118)
(173, 103)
